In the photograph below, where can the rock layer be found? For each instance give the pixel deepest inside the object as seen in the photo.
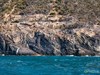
(46, 35)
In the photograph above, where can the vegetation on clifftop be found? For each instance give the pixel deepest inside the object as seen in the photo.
(84, 9)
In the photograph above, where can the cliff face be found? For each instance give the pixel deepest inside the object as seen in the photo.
(50, 27)
(46, 35)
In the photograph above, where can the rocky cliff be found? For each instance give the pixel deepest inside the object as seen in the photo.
(41, 35)
(49, 34)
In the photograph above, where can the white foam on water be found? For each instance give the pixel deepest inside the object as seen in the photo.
(3, 54)
(71, 55)
(87, 55)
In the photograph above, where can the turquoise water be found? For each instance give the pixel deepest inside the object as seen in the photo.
(49, 65)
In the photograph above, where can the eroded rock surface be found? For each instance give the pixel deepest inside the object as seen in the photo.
(45, 35)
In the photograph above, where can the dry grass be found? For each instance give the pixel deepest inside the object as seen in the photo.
(86, 10)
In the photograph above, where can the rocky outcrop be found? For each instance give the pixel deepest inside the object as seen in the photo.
(42, 35)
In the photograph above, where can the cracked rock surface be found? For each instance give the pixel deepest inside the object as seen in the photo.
(41, 35)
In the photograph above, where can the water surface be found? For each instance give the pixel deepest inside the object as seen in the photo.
(49, 65)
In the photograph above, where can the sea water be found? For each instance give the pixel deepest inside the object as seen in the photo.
(49, 65)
